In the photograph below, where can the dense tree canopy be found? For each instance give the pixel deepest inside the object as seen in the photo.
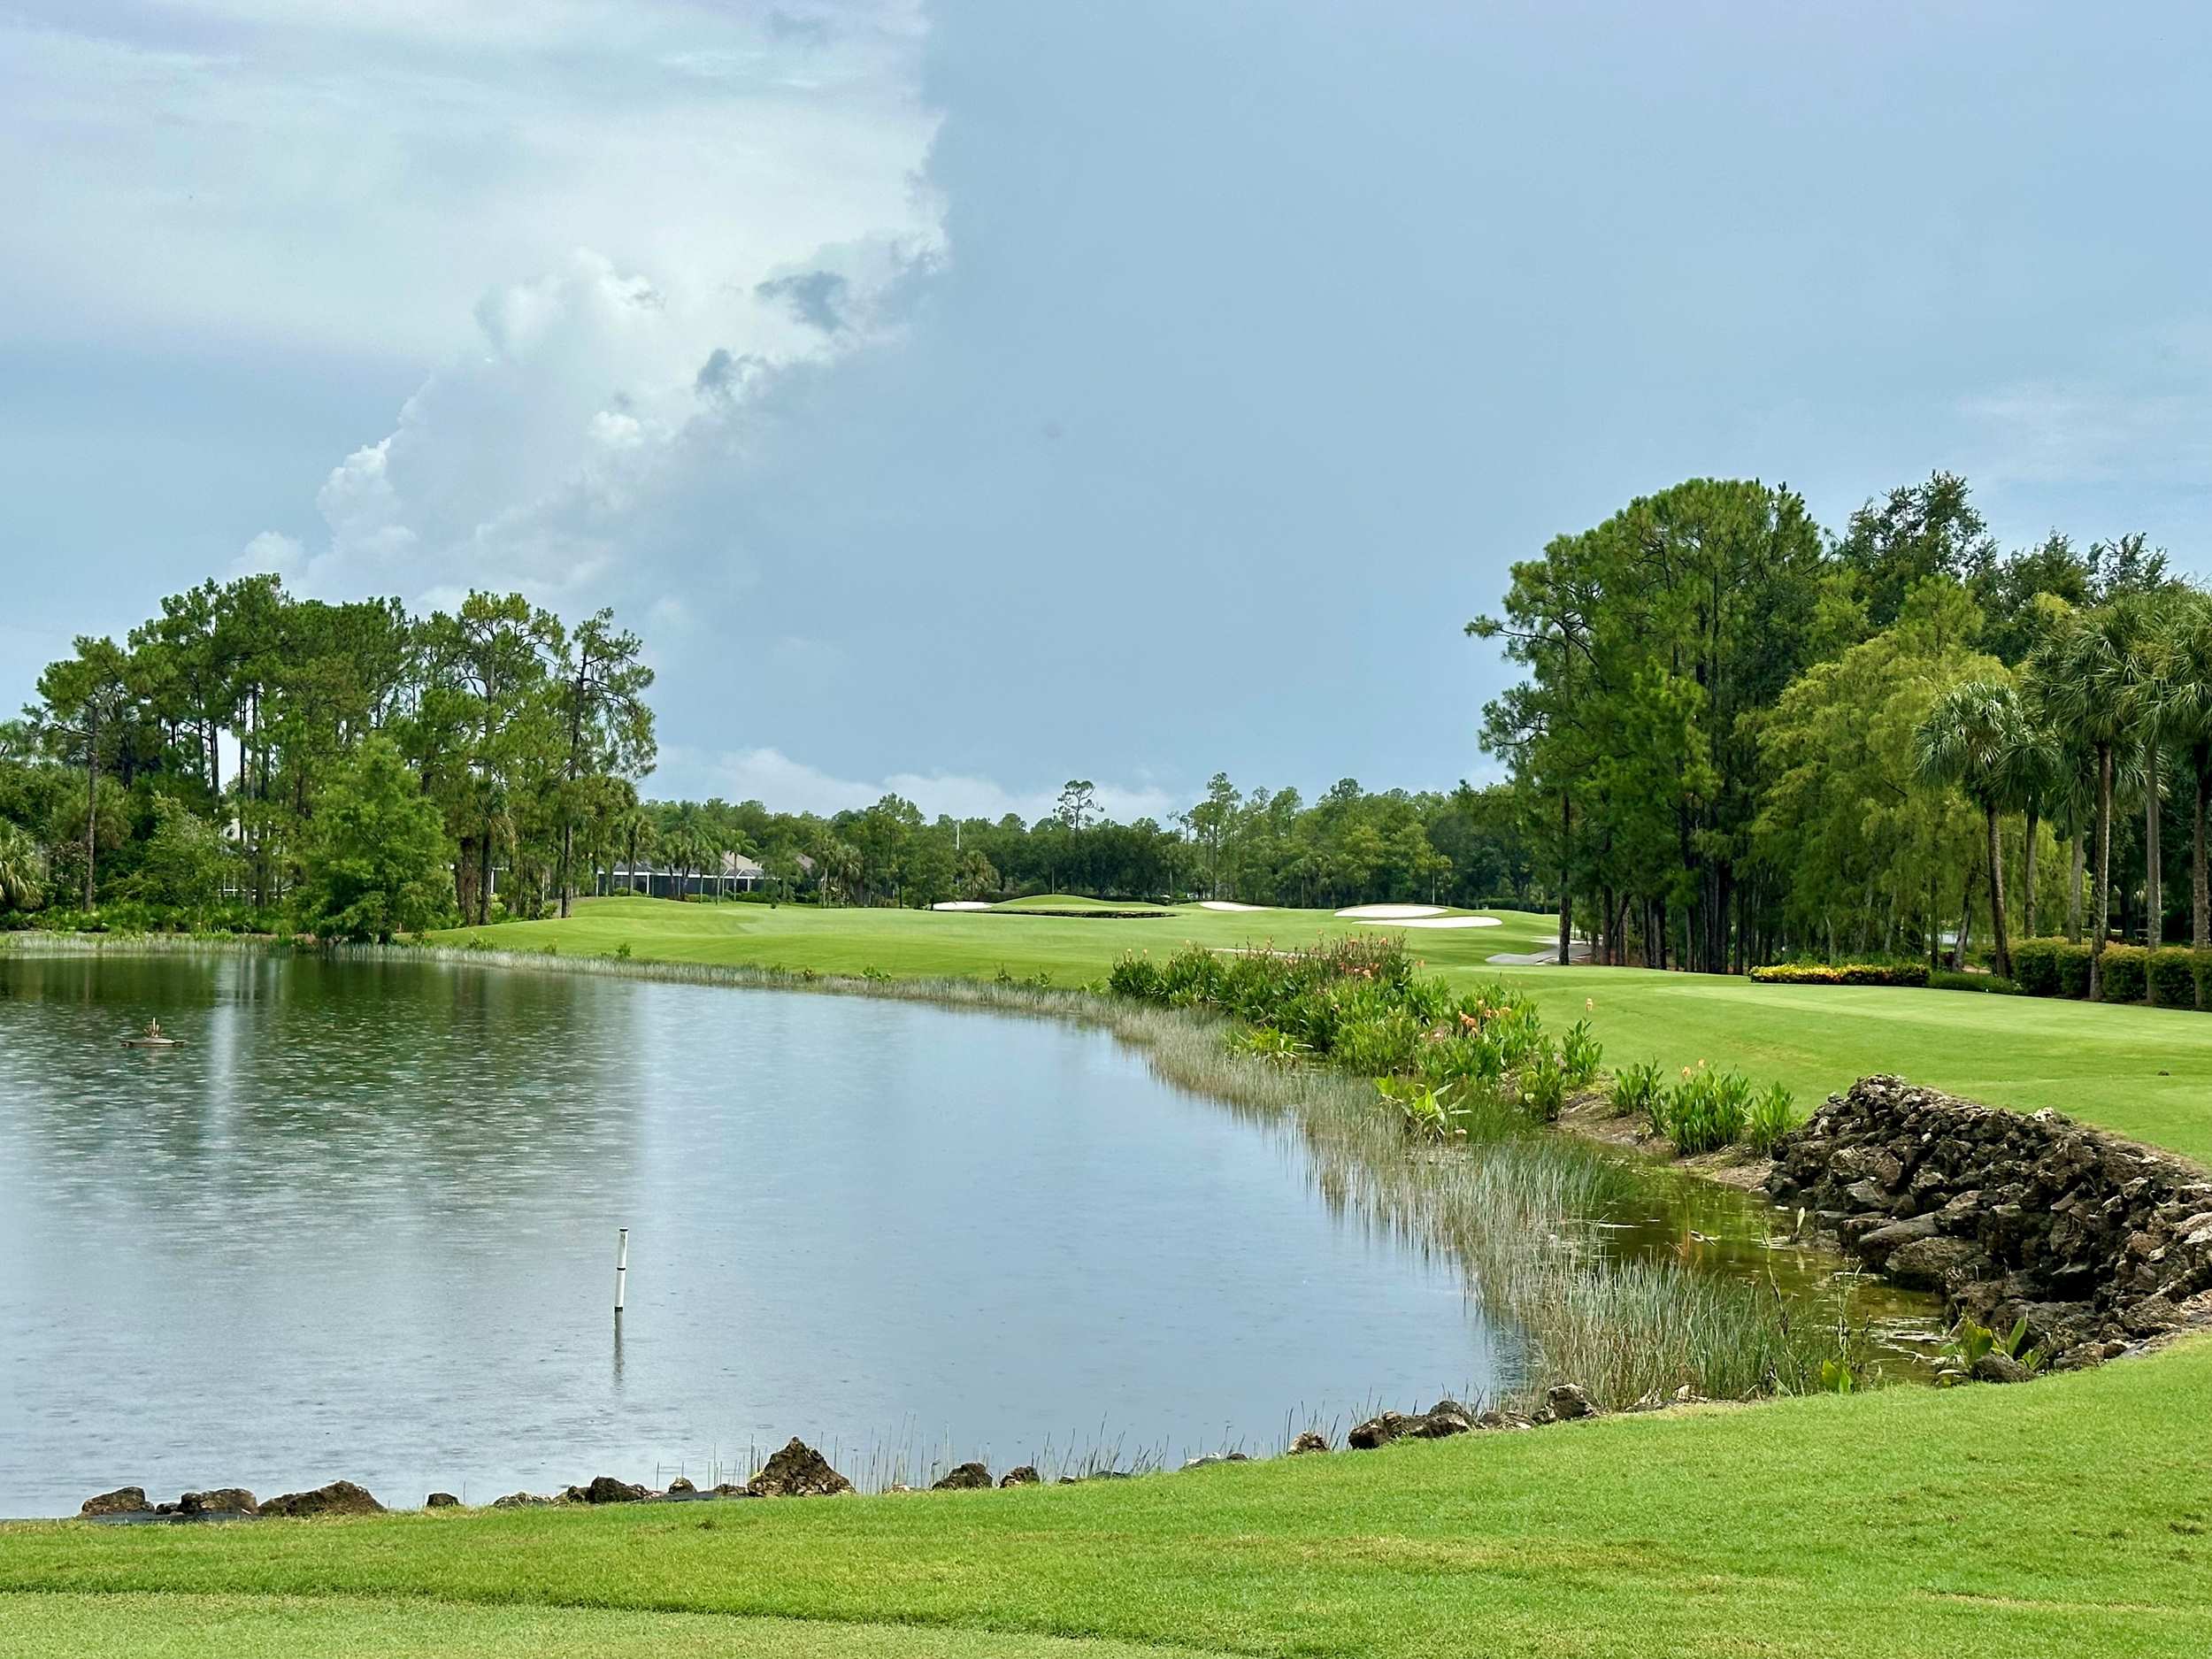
(1262, 848)
(191, 769)
(1736, 737)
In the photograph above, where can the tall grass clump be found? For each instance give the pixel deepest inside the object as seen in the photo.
(1639, 1092)
(1444, 1146)
(1773, 1114)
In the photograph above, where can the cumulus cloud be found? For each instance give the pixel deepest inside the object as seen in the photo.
(770, 776)
(270, 553)
(596, 409)
(816, 297)
(603, 226)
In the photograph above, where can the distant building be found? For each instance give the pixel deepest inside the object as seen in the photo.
(735, 873)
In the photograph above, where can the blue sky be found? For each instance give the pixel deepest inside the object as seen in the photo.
(965, 395)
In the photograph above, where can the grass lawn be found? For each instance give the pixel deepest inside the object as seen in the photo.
(2144, 1071)
(2071, 1517)
(1072, 949)
(1074, 902)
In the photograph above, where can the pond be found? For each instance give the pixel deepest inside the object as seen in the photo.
(363, 1226)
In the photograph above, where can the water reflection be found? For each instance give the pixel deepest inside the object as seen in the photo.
(361, 1226)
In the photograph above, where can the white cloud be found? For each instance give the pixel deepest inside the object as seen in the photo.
(785, 785)
(601, 228)
(271, 552)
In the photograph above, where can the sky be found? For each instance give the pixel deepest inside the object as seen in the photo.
(964, 395)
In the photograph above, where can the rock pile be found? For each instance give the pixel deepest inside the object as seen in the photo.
(217, 1503)
(1561, 1404)
(340, 1497)
(2094, 1241)
(797, 1471)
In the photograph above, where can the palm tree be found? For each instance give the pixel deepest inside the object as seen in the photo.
(2087, 685)
(1968, 738)
(2185, 697)
(2039, 783)
(19, 868)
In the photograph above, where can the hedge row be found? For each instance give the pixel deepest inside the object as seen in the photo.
(1910, 973)
(2171, 976)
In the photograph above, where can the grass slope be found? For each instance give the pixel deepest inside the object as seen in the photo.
(2056, 1519)
(2144, 1071)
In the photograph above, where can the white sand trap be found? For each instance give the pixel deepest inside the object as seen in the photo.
(1227, 904)
(1428, 921)
(963, 904)
(1389, 912)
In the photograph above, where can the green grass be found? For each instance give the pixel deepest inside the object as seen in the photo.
(2056, 1519)
(2144, 1071)
(187, 1626)
(916, 944)
(1073, 901)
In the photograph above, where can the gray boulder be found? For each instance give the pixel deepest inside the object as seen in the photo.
(1934, 1263)
(964, 1477)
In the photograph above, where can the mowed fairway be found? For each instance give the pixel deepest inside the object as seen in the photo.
(2071, 1518)
(2144, 1071)
(1072, 949)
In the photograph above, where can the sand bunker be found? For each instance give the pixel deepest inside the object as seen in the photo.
(1389, 912)
(1427, 921)
(963, 904)
(1227, 904)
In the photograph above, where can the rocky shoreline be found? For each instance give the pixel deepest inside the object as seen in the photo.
(799, 1470)
(2090, 1243)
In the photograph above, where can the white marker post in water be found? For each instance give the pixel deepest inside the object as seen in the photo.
(621, 1266)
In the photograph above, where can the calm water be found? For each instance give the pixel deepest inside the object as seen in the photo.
(363, 1226)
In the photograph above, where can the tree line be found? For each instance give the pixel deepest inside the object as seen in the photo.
(251, 758)
(1265, 847)
(1739, 737)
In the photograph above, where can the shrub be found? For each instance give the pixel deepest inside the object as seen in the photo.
(1706, 1111)
(2051, 967)
(1381, 1045)
(1910, 973)
(2035, 965)
(2200, 966)
(1773, 1114)
(2171, 973)
(2123, 973)
(1544, 1085)
(1637, 1093)
(1946, 979)
(1580, 1055)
